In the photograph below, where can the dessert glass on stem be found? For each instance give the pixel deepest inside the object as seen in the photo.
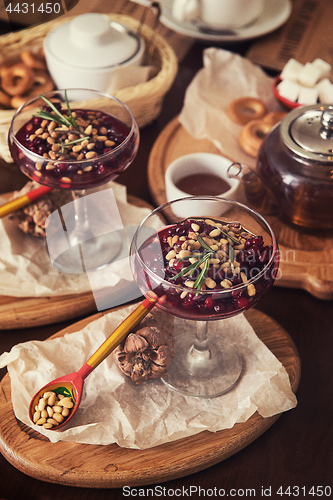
(100, 145)
(231, 278)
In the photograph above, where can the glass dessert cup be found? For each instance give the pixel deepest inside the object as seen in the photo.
(231, 278)
(99, 142)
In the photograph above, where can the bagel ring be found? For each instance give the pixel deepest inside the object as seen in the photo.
(17, 79)
(252, 135)
(33, 60)
(42, 83)
(4, 100)
(246, 109)
(274, 117)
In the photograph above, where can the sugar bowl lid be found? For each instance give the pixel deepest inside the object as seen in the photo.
(92, 40)
(308, 132)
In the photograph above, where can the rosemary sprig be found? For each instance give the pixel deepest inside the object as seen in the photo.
(191, 267)
(72, 119)
(65, 145)
(57, 116)
(204, 259)
(231, 255)
(202, 276)
(230, 237)
(204, 244)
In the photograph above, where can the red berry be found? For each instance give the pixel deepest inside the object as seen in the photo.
(209, 303)
(242, 303)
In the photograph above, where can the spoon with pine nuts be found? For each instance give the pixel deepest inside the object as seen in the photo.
(56, 403)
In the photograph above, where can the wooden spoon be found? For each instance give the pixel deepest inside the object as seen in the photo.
(72, 385)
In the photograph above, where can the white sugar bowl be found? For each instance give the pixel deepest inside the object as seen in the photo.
(91, 51)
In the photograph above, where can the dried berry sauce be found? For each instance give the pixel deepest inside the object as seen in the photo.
(237, 287)
(80, 171)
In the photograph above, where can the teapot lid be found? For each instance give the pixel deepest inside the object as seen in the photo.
(92, 40)
(308, 132)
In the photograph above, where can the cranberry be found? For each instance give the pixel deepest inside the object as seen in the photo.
(265, 254)
(252, 255)
(99, 146)
(242, 303)
(41, 149)
(219, 308)
(178, 265)
(61, 168)
(257, 241)
(100, 170)
(237, 293)
(36, 121)
(180, 230)
(209, 303)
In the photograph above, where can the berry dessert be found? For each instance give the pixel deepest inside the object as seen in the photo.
(73, 149)
(208, 269)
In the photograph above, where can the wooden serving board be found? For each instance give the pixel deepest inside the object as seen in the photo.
(110, 466)
(26, 312)
(306, 260)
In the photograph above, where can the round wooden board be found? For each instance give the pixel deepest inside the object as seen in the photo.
(110, 466)
(27, 312)
(306, 260)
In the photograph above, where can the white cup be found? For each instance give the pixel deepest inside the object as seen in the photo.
(202, 164)
(218, 14)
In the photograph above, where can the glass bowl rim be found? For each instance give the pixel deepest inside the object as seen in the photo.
(254, 279)
(31, 154)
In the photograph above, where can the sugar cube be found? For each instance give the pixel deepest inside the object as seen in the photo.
(308, 95)
(291, 70)
(325, 67)
(309, 75)
(288, 89)
(325, 90)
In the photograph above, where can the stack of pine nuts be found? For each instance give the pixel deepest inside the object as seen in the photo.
(52, 409)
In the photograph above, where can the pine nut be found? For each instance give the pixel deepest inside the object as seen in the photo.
(65, 412)
(47, 425)
(67, 402)
(251, 290)
(184, 253)
(36, 416)
(50, 411)
(88, 130)
(51, 416)
(170, 255)
(189, 283)
(52, 421)
(214, 232)
(41, 404)
(210, 283)
(91, 154)
(58, 417)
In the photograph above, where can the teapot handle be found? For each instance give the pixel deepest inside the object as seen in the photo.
(258, 196)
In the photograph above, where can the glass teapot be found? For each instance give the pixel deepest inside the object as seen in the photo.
(294, 176)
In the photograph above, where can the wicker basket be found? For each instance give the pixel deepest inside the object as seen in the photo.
(145, 99)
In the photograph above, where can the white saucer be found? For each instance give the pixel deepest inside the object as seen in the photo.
(275, 14)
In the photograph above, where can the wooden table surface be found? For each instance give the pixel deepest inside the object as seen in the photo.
(296, 452)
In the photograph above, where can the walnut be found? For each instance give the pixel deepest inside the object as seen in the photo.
(145, 353)
(31, 218)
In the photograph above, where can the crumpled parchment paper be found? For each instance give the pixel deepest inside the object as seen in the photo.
(114, 410)
(26, 269)
(224, 77)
